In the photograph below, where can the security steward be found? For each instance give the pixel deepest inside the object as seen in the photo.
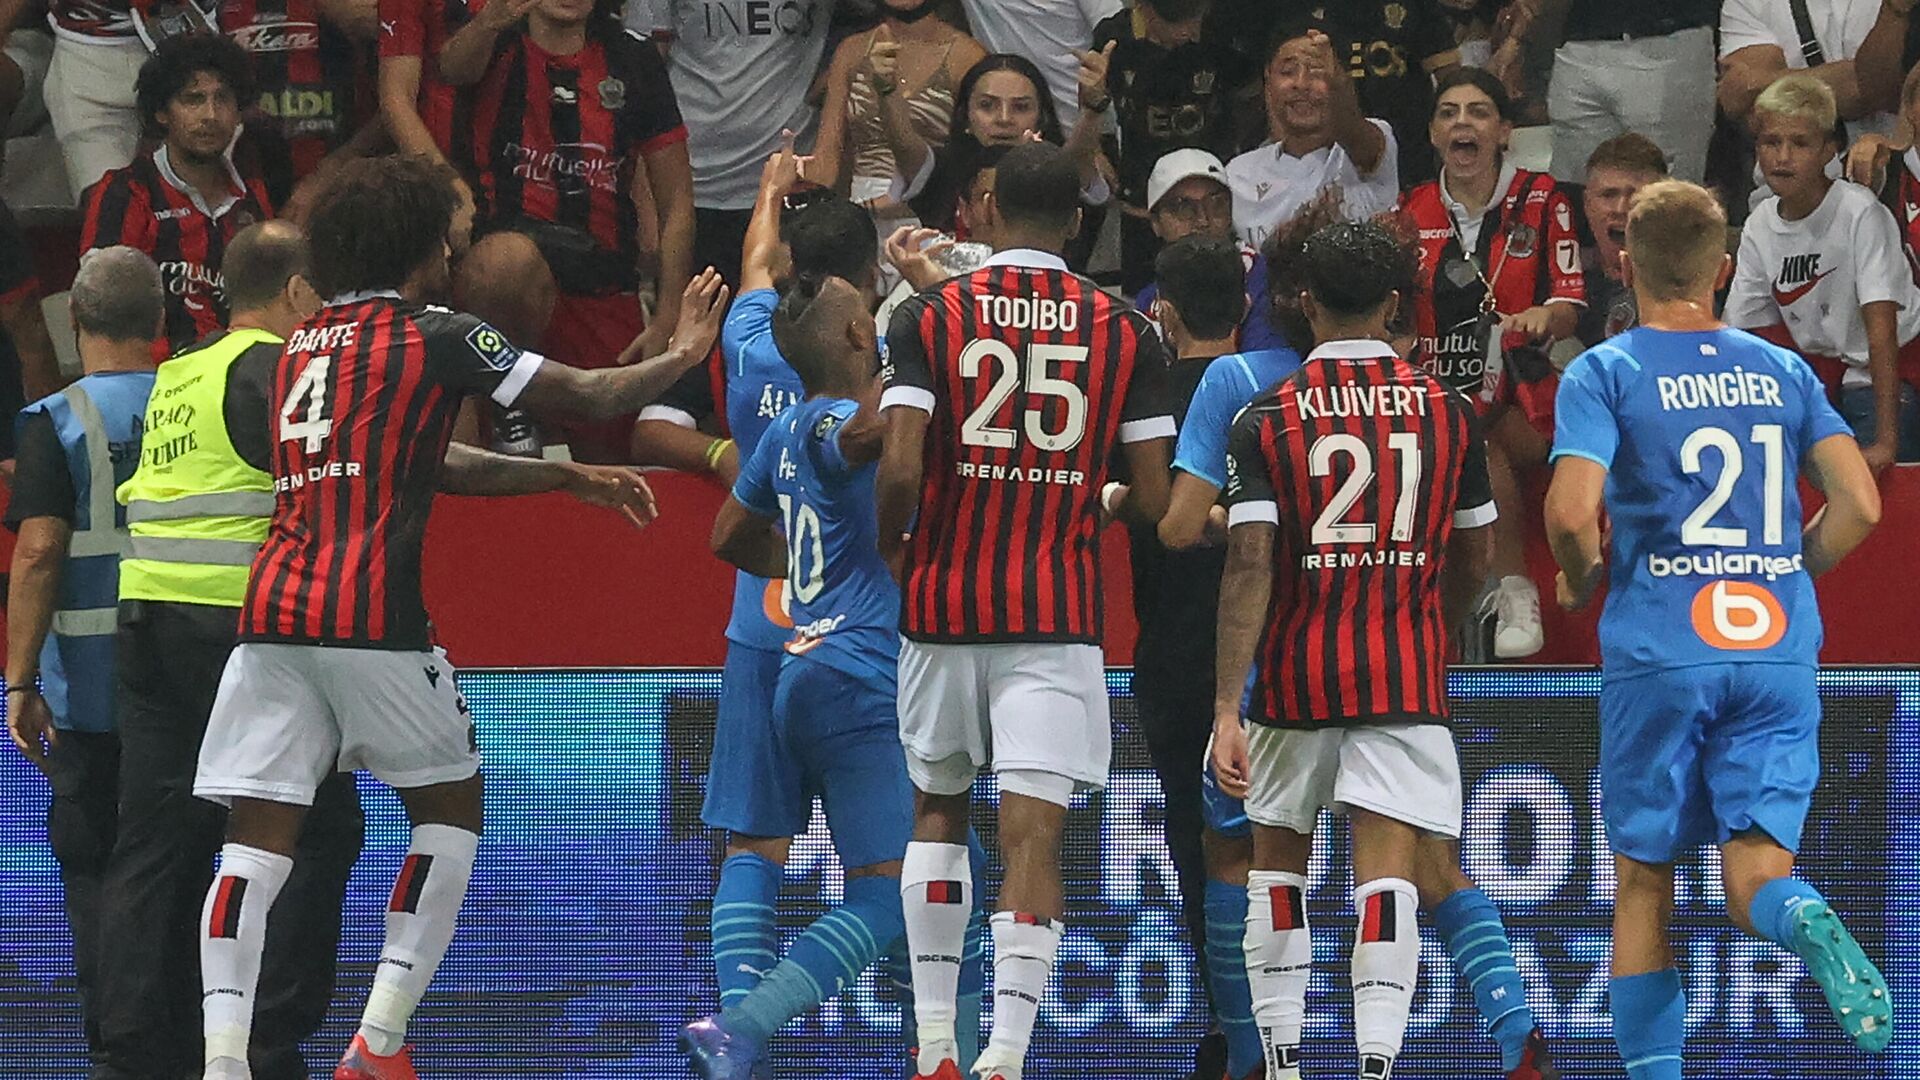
(197, 510)
(75, 446)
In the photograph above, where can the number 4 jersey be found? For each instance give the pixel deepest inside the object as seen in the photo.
(364, 402)
(1032, 375)
(1702, 436)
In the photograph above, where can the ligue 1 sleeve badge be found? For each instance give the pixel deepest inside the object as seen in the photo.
(613, 94)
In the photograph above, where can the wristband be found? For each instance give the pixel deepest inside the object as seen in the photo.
(23, 688)
(715, 450)
(1107, 493)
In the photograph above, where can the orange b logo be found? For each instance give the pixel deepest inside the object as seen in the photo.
(1738, 615)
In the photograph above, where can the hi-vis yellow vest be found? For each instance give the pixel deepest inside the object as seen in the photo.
(196, 511)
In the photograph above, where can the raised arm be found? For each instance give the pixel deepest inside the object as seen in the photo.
(760, 256)
(464, 58)
(615, 391)
(1364, 143)
(1836, 466)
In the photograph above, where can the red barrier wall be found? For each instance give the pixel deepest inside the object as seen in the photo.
(545, 581)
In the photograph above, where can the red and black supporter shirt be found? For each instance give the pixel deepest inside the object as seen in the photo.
(1366, 464)
(364, 400)
(557, 138)
(1907, 195)
(421, 28)
(147, 206)
(1526, 248)
(1032, 375)
(307, 75)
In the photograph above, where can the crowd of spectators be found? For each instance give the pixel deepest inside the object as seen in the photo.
(607, 152)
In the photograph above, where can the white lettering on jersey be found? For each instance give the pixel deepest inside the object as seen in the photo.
(1718, 390)
(1337, 400)
(1028, 313)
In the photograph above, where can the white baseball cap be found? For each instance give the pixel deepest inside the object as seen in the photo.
(1181, 165)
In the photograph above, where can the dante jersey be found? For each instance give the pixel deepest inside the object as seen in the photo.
(1815, 274)
(1230, 382)
(1702, 435)
(845, 605)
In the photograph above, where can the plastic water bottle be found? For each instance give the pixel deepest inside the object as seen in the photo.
(515, 433)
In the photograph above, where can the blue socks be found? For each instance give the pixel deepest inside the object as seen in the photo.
(824, 960)
(1773, 905)
(746, 939)
(1476, 939)
(1227, 975)
(1650, 1023)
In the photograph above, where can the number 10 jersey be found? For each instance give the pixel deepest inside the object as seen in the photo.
(1702, 436)
(363, 405)
(1032, 375)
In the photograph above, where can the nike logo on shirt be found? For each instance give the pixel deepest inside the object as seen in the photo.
(1790, 297)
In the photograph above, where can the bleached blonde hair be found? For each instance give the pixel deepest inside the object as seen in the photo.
(1798, 96)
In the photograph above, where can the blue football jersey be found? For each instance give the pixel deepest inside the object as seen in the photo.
(1230, 382)
(1702, 435)
(844, 602)
(760, 386)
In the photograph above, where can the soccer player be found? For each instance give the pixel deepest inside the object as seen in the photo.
(803, 510)
(1007, 392)
(1468, 922)
(181, 202)
(1822, 259)
(1358, 514)
(1693, 437)
(334, 667)
(1202, 300)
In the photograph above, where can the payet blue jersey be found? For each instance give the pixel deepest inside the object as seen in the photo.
(760, 386)
(844, 602)
(1702, 435)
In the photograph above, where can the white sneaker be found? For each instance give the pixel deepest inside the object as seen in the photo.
(1517, 632)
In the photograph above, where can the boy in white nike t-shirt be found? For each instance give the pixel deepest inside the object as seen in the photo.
(1822, 260)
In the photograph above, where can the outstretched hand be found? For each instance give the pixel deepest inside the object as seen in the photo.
(617, 487)
(1093, 76)
(703, 305)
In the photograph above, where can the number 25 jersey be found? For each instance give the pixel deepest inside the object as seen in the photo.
(1702, 435)
(1032, 375)
(363, 404)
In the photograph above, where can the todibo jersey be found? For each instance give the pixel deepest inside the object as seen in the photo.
(1702, 435)
(845, 605)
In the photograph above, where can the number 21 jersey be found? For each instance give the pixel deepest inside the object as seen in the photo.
(1032, 375)
(1702, 435)
(363, 403)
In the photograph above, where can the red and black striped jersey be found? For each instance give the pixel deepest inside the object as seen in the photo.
(558, 138)
(147, 206)
(363, 405)
(306, 78)
(420, 29)
(1032, 375)
(1366, 464)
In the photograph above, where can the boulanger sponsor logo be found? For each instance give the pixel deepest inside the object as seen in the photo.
(1724, 564)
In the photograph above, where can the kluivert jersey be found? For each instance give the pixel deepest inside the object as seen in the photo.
(759, 387)
(1702, 435)
(844, 603)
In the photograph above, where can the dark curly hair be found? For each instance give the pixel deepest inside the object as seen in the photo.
(1352, 267)
(173, 66)
(377, 221)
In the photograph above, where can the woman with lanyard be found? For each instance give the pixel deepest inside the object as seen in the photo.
(1499, 281)
(1002, 100)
